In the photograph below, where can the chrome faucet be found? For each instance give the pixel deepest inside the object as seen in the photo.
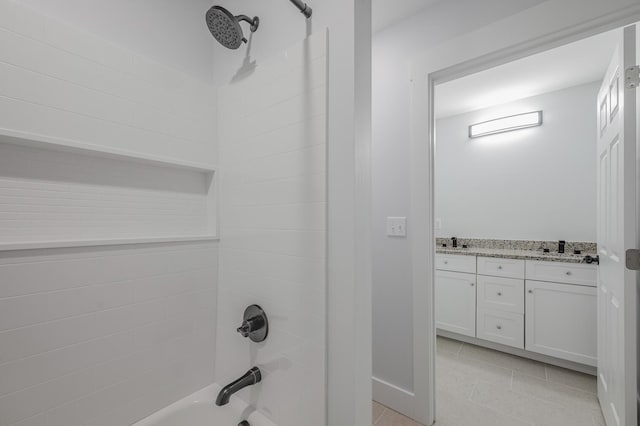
(250, 378)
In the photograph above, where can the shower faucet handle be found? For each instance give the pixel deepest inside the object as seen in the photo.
(245, 329)
(250, 325)
(255, 325)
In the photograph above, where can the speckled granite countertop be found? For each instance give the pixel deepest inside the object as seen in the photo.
(512, 249)
(516, 254)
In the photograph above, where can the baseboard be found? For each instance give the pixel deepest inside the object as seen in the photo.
(398, 399)
(570, 365)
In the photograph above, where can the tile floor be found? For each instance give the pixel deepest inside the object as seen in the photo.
(482, 387)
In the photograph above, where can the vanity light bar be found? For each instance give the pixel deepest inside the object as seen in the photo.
(506, 124)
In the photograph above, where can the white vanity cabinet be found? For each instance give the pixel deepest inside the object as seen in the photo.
(456, 294)
(561, 306)
(534, 306)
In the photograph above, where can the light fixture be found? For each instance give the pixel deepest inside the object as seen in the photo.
(506, 124)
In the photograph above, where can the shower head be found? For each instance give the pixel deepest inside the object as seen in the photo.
(226, 28)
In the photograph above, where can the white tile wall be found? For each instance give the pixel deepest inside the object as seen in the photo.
(57, 83)
(273, 231)
(88, 90)
(50, 196)
(101, 336)
(89, 336)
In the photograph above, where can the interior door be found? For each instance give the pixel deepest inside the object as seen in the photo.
(617, 232)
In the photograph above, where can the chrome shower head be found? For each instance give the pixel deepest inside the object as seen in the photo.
(226, 28)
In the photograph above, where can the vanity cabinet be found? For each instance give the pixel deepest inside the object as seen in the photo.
(536, 306)
(562, 314)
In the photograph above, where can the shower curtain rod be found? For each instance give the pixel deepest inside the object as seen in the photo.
(303, 7)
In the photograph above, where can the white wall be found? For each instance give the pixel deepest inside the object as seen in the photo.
(100, 335)
(86, 89)
(273, 199)
(393, 48)
(77, 116)
(533, 184)
(104, 336)
(170, 32)
(349, 106)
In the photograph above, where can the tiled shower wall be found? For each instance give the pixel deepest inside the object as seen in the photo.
(273, 202)
(103, 335)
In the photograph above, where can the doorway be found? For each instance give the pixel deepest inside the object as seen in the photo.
(439, 71)
(515, 195)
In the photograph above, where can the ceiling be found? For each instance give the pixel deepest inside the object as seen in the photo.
(388, 12)
(577, 63)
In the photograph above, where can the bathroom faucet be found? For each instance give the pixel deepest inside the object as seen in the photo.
(251, 377)
(454, 242)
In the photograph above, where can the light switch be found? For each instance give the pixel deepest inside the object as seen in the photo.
(397, 226)
(438, 224)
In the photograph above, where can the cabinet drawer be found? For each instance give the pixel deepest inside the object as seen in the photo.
(501, 327)
(510, 268)
(569, 273)
(456, 263)
(501, 294)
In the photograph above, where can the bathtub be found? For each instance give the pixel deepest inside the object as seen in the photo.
(199, 409)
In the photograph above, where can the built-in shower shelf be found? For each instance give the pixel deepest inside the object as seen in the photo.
(35, 245)
(57, 193)
(75, 147)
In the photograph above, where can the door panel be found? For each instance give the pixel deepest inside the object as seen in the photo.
(616, 227)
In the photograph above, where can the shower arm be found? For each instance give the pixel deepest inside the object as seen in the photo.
(254, 22)
(303, 7)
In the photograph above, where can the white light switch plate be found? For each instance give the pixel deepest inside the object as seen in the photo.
(397, 226)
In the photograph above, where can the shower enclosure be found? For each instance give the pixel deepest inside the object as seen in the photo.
(145, 204)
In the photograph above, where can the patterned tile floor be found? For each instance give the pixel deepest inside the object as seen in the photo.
(482, 387)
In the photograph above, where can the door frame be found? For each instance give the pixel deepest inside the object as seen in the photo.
(529, 33)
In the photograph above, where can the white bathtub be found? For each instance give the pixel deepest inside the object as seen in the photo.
(199, 409)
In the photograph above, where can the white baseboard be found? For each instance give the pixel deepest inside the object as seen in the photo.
(398, 399)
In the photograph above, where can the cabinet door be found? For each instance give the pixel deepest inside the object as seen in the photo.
(456, 302)
(561, 321)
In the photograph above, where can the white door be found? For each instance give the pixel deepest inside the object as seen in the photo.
(456, 302)
(616, 233)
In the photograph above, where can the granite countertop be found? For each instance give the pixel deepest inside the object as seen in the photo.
(515, 254)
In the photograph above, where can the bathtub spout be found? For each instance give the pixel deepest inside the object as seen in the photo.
(251, 377)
